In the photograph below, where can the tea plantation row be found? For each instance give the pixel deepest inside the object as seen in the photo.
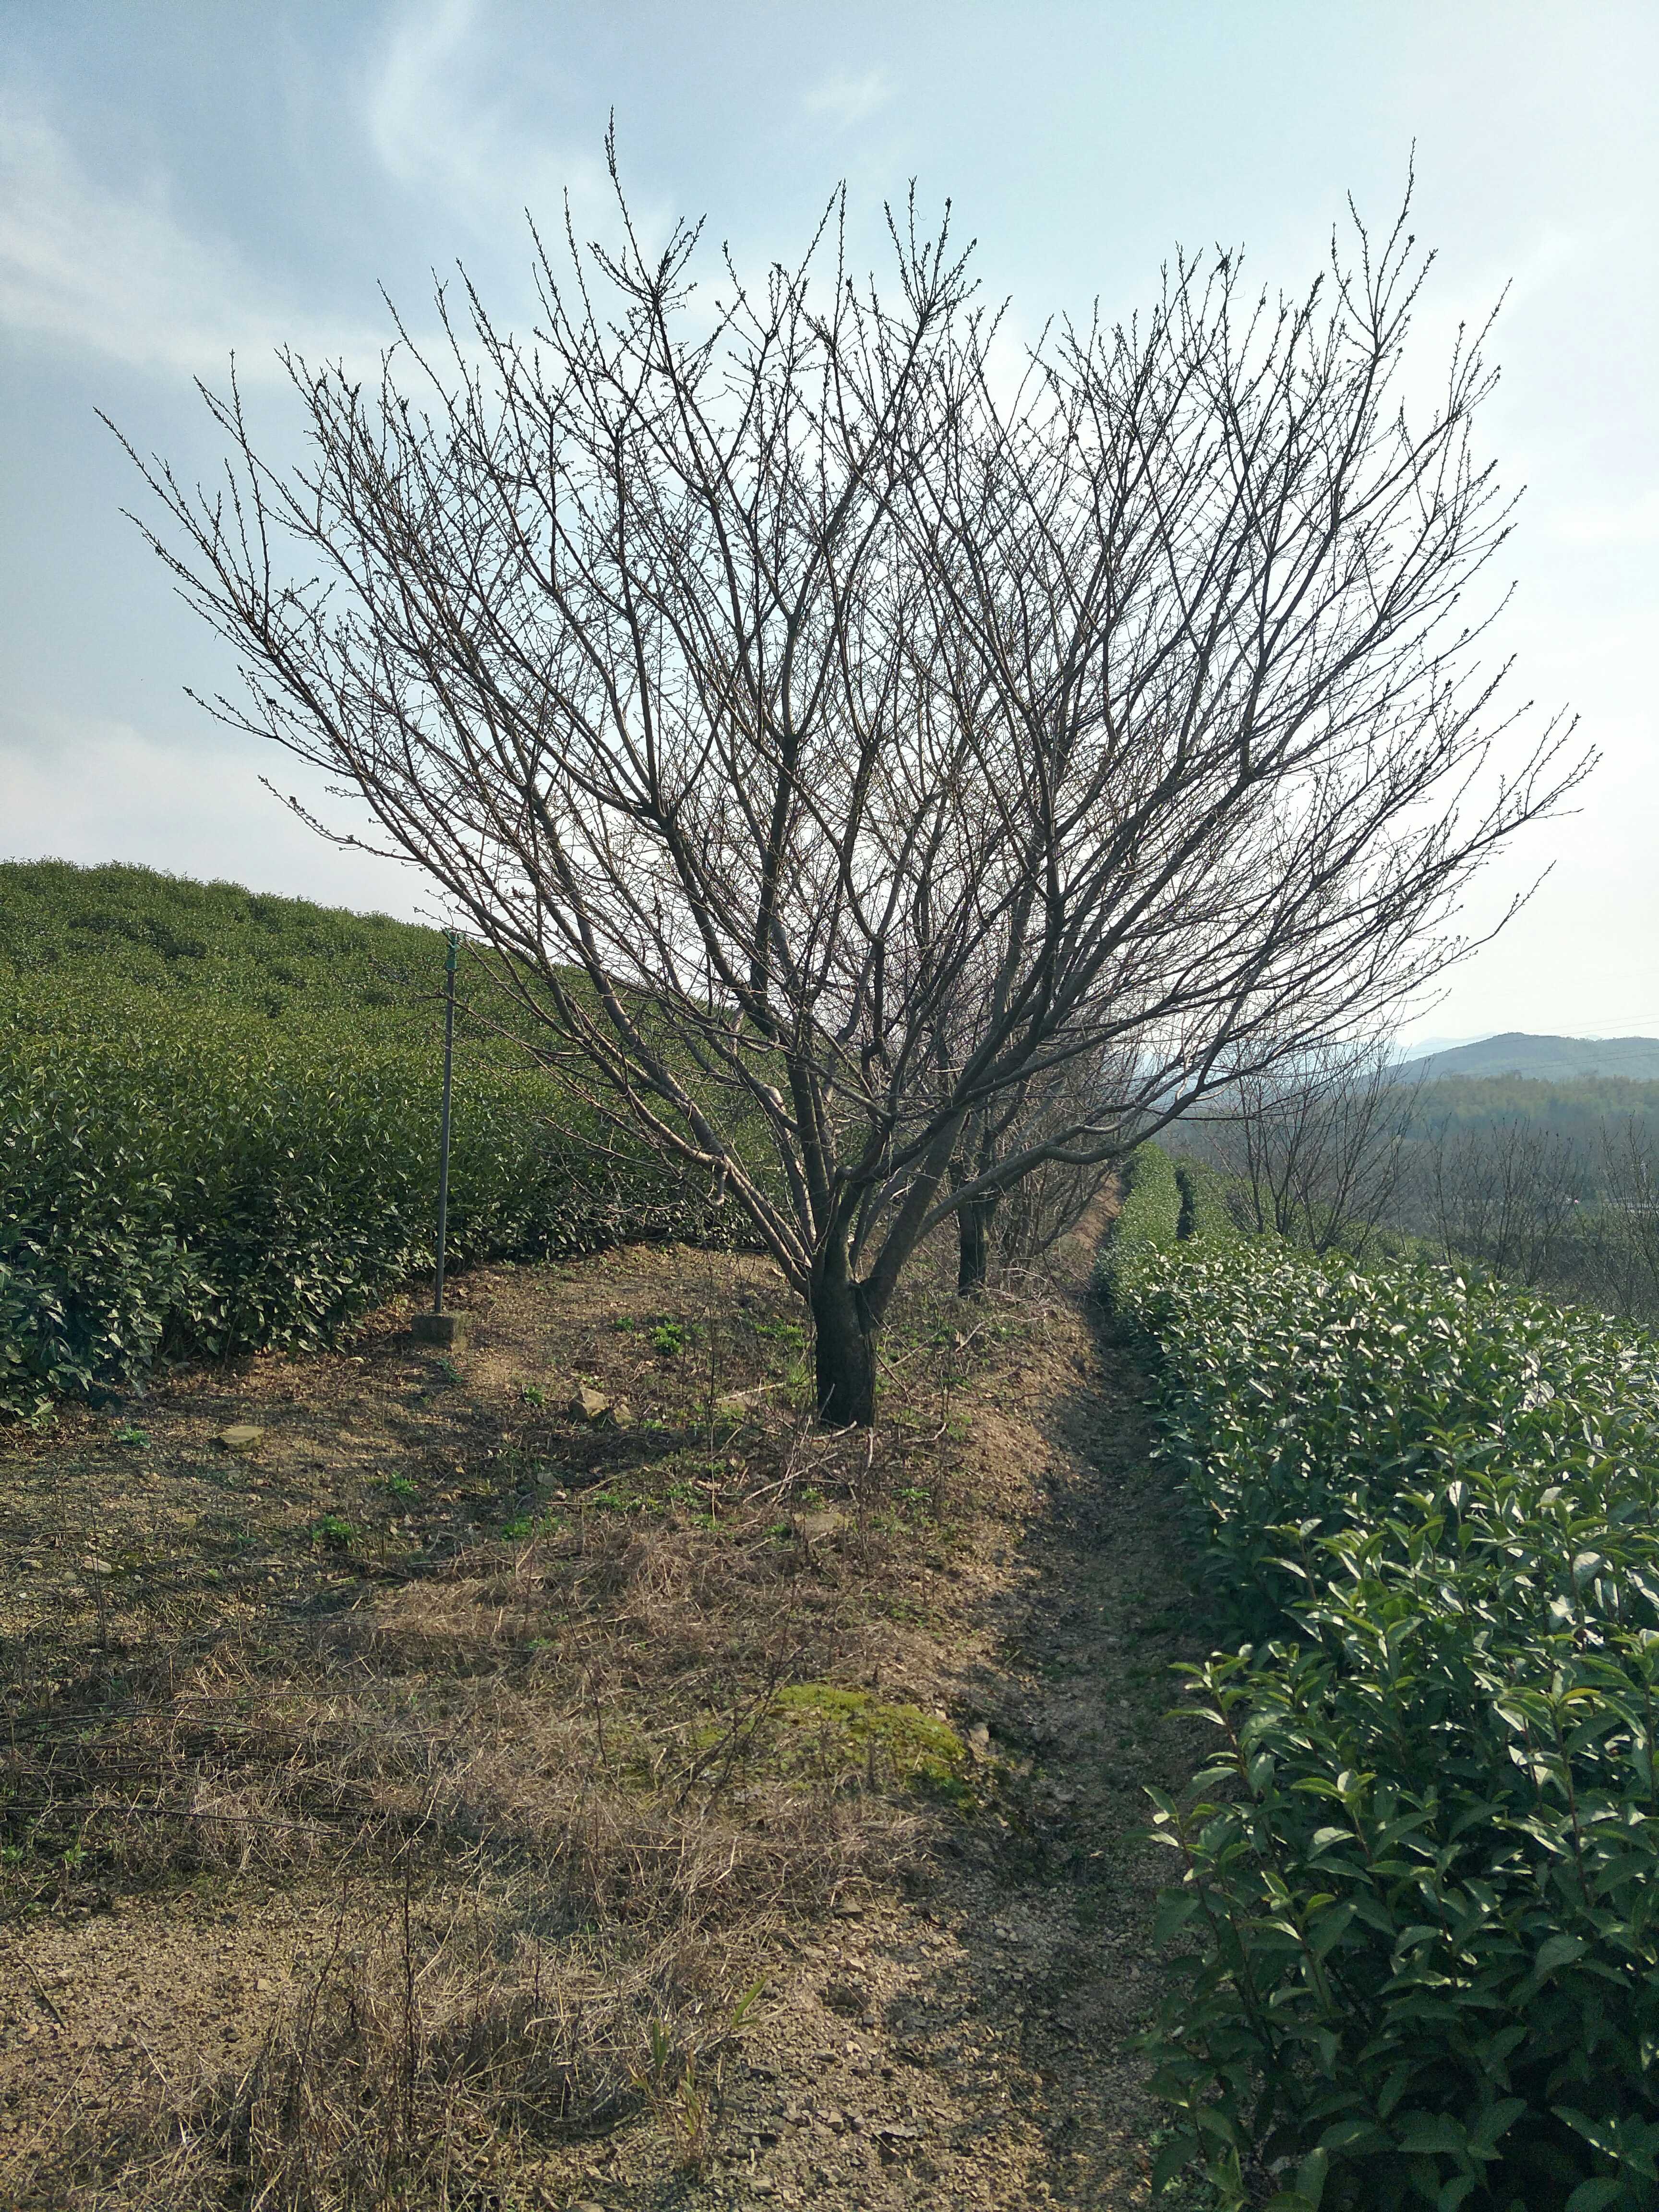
(218, 1129)
(1417, 1894)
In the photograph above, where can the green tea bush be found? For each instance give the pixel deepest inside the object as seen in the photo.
(233, 1161)
(1419, 1872)
(1204, 1213)
(91, 930)
(1147, 1220)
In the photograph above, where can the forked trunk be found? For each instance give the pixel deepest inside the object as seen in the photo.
(844, 1345)
(974, 1221)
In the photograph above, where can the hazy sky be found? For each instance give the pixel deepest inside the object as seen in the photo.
(177, 180)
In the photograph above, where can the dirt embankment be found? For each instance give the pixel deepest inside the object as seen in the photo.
(470, 1793)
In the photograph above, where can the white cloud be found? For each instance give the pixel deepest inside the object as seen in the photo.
(849, 99)
(1607, 522)
(436, 130)
(90, 790)
(118, 274)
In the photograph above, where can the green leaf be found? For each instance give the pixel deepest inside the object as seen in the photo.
(1422, 2135)
(1329, 1928)
(1176, 2154)
(1594, 2195)
(1494, 2122)
(1558, 1951)
(1176, 1907)
(1312, 2177)
(1603, 2133)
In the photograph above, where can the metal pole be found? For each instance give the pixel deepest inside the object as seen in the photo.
(443, 1137)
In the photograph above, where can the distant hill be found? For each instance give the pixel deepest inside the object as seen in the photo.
(1547, 1059)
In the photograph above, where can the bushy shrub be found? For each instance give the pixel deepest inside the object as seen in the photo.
(1419, 1872)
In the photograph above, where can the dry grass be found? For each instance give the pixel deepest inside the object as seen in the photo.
(533, 1732)
(429, 2059)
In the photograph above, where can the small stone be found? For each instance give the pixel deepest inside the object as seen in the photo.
(589, 1405)
(978, 1741)
(94, 1566)
(732, 1408)
(819, 1527)
(242, 1436)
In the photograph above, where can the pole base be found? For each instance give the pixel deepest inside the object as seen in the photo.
(450, 1329)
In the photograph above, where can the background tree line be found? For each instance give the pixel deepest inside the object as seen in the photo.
(1555, 1185)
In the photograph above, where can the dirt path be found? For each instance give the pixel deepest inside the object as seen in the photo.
(437, 1630)
(970, 2043)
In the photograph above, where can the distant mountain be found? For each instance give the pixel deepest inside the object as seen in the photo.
(1551, 1059)
(1426, 1046)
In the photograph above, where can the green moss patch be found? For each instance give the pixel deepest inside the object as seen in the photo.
(829, 1729)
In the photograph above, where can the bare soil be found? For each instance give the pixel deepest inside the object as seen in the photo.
(463, 1795)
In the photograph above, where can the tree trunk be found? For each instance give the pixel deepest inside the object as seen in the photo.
(974, 1221)
(844, 1345)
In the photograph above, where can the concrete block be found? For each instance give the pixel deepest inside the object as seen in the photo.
(450, 1329)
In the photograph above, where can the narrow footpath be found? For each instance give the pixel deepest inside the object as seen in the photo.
(967, 2040)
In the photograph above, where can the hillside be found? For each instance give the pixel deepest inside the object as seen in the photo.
(219, 1118)
(115, 927)
(1549, 1058)
(1579, 1106)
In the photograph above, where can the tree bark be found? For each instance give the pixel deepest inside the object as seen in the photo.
(974, 1221)
(844, 1344)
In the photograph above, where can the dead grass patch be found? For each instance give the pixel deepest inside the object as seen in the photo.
(432, 2058)
(551, 1685)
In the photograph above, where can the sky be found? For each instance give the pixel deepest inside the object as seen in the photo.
(185, 179)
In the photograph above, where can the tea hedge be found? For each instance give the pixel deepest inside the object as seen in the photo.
(1417, 1896)
(218, 1129)
(1204, 1213)
(1148, 1217)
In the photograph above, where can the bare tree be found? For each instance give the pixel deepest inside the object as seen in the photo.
(1615, 1252)
(833, 742)
(1506, 1192)
(1630, 1193)
(1318, 1149)
(1047, 1201)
